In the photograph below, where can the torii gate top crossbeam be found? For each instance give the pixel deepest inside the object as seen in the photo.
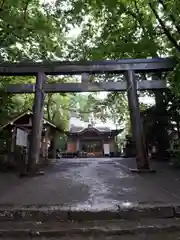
(92, 67)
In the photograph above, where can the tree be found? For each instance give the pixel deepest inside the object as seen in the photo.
(29, 30)
(56, 110)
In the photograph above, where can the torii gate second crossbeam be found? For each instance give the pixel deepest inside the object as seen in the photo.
(128, 67)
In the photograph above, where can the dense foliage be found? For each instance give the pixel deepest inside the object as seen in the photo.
(29, 30)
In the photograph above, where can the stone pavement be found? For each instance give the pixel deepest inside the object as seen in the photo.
(101, 183)
(161, 236)
(92, 199)
(92, 230)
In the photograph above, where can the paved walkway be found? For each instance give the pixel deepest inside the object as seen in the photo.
(92, 183)
(172, 236)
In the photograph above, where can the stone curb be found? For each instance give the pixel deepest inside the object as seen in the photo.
(44, 213)
(95, 231)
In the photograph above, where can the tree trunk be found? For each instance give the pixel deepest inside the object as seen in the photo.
(178, 128)
(161, 127)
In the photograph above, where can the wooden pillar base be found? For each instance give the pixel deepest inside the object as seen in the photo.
(35, 171)
(143, 170)
(143, 163)
(31, 174)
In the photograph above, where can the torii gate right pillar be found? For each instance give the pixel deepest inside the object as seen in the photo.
(136, 123)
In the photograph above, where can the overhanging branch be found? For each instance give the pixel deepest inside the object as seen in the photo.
(172, 18)
(165, 29)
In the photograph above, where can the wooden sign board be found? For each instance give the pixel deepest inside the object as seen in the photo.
(21, 138)
(106, 148)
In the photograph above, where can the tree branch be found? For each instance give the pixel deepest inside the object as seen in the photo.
(170, 15)
(2, 4)
(26, 8)
(48, 106)
(165, 29)
(138, 17)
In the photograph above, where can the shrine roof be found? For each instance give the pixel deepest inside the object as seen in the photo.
(101, 130)
(21, 118)
(77, 129)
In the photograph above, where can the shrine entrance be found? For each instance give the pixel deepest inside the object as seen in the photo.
(136, 75)
(92, 147)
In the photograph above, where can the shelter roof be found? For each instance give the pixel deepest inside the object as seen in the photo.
(20, 119)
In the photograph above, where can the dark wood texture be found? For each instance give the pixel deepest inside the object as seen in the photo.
(136, 124)
(34, 148)
(58, 68)
(85, 87)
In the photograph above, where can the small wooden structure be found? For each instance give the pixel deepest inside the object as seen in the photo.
(15, 139)
(91, 141)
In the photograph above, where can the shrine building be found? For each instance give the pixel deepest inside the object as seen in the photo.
(92, 141)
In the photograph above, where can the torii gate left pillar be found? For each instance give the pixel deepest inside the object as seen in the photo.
(136, 124)
(35, 140)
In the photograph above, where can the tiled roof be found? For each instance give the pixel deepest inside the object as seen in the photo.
(76, 125)
(79, 129)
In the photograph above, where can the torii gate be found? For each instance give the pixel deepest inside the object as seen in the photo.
(127, 67)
